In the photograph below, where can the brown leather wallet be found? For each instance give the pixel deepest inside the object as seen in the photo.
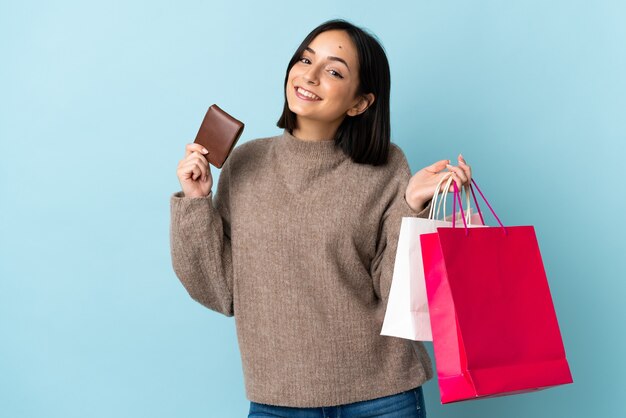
(218, 133)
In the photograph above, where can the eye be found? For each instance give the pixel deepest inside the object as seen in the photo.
(338, 75)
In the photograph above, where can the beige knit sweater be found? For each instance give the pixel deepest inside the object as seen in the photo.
(299, 245)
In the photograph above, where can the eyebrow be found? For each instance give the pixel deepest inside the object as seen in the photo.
(330, 57)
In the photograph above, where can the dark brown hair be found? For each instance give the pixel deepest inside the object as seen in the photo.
(364, 137)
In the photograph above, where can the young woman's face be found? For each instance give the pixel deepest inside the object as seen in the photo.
(328, 68)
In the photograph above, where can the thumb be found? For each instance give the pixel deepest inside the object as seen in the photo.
(438, 166)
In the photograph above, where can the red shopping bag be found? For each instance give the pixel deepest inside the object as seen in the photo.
(495, 331)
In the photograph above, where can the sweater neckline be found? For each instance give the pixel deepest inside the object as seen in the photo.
(322, 150)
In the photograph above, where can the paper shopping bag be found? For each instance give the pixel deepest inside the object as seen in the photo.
(406, 315)
(495, 330)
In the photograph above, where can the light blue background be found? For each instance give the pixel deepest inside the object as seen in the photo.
(98, 99)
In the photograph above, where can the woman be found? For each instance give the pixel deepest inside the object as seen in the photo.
(299, 243)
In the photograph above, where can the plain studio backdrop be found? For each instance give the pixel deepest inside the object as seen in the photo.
(97, 102)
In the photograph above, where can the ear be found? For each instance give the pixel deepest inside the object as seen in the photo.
(361, 106)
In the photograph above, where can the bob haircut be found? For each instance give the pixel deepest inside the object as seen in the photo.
(364, 137)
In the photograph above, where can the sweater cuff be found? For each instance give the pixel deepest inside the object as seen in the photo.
(181, 195)
(421, 214)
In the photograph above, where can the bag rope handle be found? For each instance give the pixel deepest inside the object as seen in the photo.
(456, 193)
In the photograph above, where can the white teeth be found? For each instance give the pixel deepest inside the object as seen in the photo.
(307, 94)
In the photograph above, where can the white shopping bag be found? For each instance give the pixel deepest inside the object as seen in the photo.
(407, 307)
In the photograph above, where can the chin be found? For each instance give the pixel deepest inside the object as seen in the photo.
(292, 109)
(295, 109)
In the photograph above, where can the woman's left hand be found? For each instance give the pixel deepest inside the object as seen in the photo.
(422, 185)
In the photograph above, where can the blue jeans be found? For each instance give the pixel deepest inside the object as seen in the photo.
(409, 404)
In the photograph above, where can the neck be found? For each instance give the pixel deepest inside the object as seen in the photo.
(315, 131)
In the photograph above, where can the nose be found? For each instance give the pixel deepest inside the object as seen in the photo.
(311, 76)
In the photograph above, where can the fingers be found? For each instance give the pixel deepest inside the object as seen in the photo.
(437, 166)
(462, 174)
(195, 166)
(194, 169)
(458, 173)
(189, 148)
(466, 168)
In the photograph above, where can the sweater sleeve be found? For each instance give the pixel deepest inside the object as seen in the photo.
(384, 260)
(201, 246)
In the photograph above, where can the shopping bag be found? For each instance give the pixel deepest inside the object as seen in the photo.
(406, 314)
(494, 326)
(417, 284)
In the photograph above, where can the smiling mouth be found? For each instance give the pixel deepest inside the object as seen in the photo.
(307, 95)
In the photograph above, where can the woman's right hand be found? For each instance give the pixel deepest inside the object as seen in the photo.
(194, 173)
